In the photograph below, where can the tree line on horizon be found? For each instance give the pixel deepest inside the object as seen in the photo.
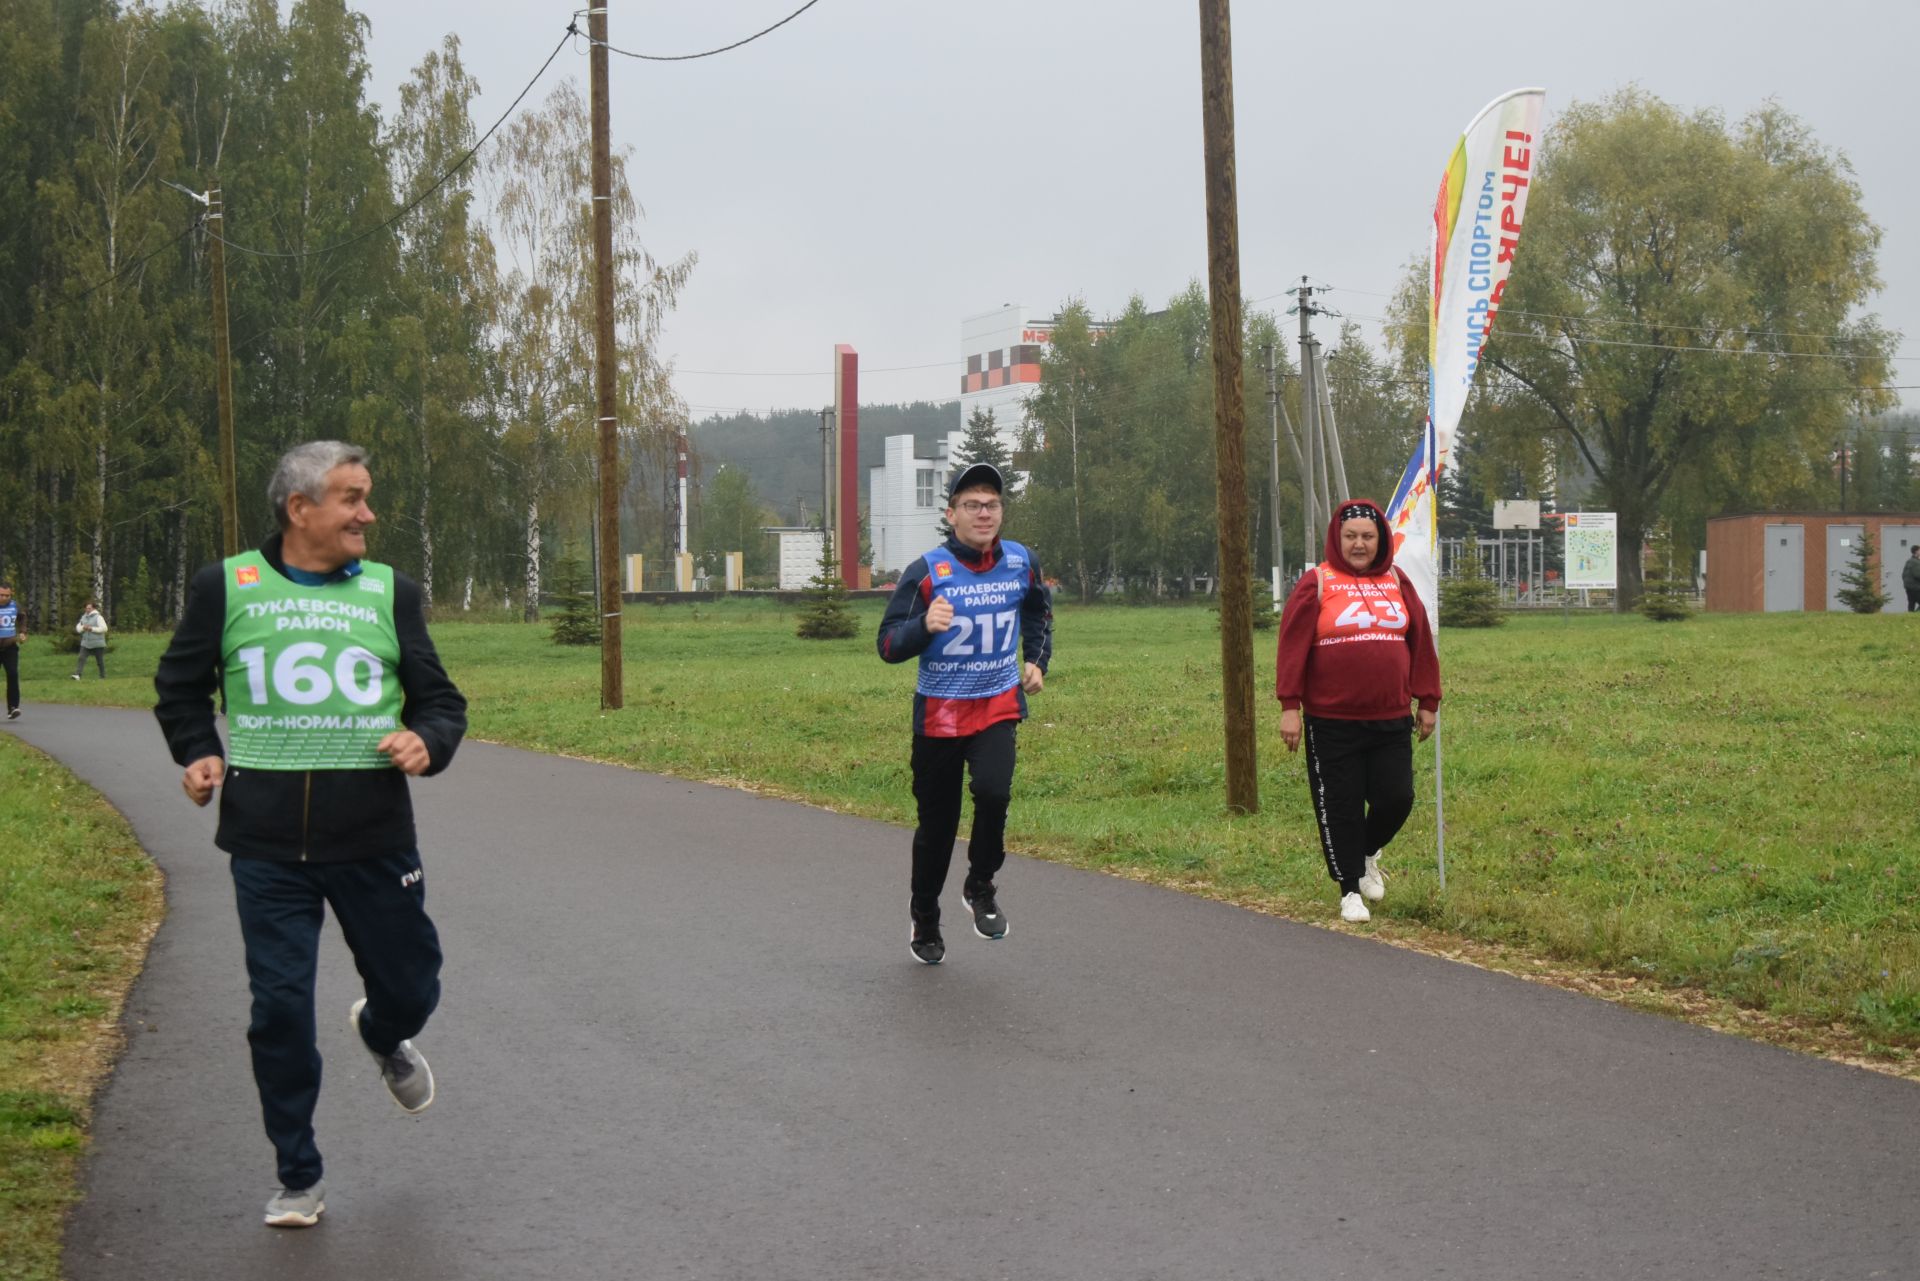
(455, 344)
(1684, 335)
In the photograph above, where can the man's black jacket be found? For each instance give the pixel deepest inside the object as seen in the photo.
(326, 816)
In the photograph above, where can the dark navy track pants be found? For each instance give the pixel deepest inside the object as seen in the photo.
(381, 905)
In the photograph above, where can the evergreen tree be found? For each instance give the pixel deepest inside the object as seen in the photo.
(1263, 615)
(135, 610)
(982, 443)
(1469, 598)
(1665, 598)
(826, 615)
(575, 623)
(1861, 592)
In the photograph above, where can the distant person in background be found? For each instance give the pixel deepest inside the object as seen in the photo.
(93, 640)
(1356, 657)
(12, 632)
(1910, 579)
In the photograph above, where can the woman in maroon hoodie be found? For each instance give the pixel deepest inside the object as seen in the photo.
(1357, 654)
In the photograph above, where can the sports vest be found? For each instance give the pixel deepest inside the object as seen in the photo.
(9, 620)
(1355, 609)
(979, 656)
(311, 674)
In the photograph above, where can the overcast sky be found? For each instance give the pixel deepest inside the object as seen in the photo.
(877, 169)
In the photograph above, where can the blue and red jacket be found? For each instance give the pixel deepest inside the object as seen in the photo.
(1003, 617)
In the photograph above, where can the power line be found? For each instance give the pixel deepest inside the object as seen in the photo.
(1617, 320)
(141, 259)
(689, 57)
(416, 202)
(814, 373)
(1647, 346)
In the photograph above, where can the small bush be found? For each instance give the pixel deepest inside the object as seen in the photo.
(1470, 598)
(575, 623)
(1860, 590)
(826, 615)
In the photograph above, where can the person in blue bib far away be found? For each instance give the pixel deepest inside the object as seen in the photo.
(975, 612)
(13, 630)
(334, 696)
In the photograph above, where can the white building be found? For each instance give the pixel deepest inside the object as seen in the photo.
(799, 555)
(1002, 349)
(906, 497)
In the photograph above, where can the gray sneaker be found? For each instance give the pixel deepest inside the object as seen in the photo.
(297, 1207)
(409, 1079)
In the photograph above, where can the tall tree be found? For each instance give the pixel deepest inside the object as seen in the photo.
(305, 176)
(541, 190)
(106, 337)
(732, 520)
(1685, 303)
(981, 443)
(423, 401)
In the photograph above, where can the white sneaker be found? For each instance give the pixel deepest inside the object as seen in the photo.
(1352, 909)
(296, 1207)
(1373, 886)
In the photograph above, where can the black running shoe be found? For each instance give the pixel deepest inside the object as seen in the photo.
(989, 922)
(925, 942)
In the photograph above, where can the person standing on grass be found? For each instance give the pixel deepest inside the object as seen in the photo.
(334, 696)
(977, 615)
(12, 632)
(1910, 579)
(1356, 653)
(92, 628)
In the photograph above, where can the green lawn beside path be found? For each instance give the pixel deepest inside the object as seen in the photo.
(1725, 805)
(78, 903)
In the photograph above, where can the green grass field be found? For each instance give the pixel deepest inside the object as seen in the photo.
(1724, 805)
(78, 901)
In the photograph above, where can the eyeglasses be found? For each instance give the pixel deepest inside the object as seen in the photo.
(973, 508)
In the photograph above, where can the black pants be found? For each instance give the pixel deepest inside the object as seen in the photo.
(99, 661)
(937, 766)
(1913, 600)
(1361, 777)
(381, 906)
(10, 659)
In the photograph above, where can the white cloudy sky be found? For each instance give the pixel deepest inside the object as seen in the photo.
(877, 169)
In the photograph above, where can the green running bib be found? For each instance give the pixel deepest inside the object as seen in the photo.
(311, 674)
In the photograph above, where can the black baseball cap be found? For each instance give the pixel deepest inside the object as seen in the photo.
(973, 476)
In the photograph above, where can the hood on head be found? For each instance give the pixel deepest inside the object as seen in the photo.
(1383, 560)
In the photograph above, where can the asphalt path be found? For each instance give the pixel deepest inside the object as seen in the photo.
(682, 1037)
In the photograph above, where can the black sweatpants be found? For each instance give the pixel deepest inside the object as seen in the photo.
(937, 766)
(381, 906)
(1361, 777)
(10, 659)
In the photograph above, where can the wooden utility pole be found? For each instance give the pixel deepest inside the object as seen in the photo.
(1229, 411)
(223, 379)
(612, 684)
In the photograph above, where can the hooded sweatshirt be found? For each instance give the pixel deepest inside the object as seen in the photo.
(1363, 651)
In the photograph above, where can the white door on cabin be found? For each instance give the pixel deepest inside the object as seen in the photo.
(1843, 544)
(1896, 548)
(1786, 566)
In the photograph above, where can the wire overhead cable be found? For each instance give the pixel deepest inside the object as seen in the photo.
(689, 57)
(152, 253)
(437, 183)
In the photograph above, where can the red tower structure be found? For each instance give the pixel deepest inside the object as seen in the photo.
(846, 462)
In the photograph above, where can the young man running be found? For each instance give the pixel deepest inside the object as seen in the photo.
(334, 696)
(975, 612)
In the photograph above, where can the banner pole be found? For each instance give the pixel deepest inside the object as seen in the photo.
(1433, 541)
